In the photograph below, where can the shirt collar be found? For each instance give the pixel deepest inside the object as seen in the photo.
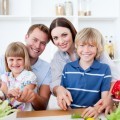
(95, 65)
(35, 66)
(18, 78)
(67, 57)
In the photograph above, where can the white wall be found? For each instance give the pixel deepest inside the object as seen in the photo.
(22, 15)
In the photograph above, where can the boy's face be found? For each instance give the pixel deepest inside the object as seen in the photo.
(36, 43)
(86, 52)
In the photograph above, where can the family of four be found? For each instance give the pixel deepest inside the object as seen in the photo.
(80, 74)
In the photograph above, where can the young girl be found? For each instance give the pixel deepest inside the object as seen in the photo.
(18, 75)
(87, 79)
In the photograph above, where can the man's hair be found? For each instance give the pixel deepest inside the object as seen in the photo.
(41, 27)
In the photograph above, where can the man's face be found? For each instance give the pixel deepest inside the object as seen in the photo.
(36, 43)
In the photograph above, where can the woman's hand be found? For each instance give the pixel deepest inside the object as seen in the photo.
(64, 97)
(90, 112)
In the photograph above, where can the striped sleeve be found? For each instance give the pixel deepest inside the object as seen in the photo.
(106, 83)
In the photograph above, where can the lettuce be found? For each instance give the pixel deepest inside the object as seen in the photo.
(115, 115)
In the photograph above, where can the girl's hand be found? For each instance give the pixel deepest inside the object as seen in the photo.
(90, 112)
(14, 93)
(64, 97)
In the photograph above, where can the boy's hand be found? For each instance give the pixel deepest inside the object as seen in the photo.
(90, 112)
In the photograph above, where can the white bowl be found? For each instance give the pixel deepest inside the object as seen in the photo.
(10, 117)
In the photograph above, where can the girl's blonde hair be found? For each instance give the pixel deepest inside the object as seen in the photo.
(91, 35)
(17, 49)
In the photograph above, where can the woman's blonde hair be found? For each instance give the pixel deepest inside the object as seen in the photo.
(17, 49)
(91, 35)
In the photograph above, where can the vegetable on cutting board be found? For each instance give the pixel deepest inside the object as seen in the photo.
(114, 115)
(5, 108)
(77, 115)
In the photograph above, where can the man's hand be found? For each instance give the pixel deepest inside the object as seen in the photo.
(64, 97)
(27, 95)
(105, 104)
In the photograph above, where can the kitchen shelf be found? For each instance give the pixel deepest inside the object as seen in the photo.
(86, 18)
(13, 17)
(24, 13)
(96, 18)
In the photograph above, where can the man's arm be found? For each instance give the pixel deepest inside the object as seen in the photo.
(41, 99)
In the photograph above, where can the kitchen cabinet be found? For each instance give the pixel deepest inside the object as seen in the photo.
(23, 13)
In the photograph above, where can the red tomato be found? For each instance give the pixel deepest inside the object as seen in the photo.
(116, 90)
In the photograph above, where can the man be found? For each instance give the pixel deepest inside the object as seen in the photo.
(36, 39)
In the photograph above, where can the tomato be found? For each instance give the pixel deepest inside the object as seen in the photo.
(116, 90)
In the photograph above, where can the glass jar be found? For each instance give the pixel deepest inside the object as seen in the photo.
(68, 8)
(60, 9)
(5, 7)
(87, 7)
(84, 8)
(81, 8)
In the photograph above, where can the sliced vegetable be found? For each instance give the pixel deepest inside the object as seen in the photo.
(6, 109)
(76, 115)
(115, 115)
(89, 119)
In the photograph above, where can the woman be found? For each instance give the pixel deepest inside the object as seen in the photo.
(62, 34)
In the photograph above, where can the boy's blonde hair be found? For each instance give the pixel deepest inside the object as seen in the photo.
(17, 49)
(91, 35)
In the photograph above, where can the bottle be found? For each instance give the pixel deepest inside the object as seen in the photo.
(110, 47)
(68, 8)
(106, 44)
(81, 8)
(87, 7)
(5, 7)
(60, 9)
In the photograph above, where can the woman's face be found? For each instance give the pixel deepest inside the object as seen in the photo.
(62, 38)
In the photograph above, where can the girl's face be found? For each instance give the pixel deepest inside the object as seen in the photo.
(16, 65)
(87, 52)
(62, 38)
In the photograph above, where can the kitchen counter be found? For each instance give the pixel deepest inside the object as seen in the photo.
(50, 115)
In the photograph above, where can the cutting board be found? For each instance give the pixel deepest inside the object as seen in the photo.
(62, 117)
